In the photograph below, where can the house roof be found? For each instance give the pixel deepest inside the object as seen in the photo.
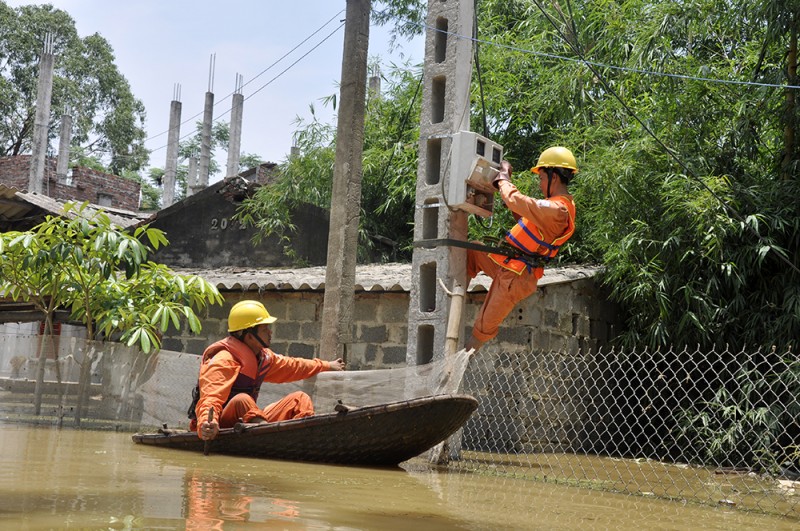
(16, 205)
(370, 277)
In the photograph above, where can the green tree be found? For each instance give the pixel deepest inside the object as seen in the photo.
(683, 118)
(105, 280)
(685, 168)
(28, 273)
(388, 180)
(108, 120)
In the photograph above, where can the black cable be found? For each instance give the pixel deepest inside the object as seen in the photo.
(402, 127)
(478, 68)
(576, 49)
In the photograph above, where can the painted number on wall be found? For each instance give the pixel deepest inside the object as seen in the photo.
(225, 223)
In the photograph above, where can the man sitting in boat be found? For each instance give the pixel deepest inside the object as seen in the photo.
(233, 369)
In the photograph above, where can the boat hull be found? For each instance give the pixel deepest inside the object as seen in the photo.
(382, 435)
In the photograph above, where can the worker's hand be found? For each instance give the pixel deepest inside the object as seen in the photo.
(504, 175)
(336, 365)
(500, 177)
(208, 430)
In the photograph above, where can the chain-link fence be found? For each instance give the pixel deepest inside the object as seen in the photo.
(718, 427)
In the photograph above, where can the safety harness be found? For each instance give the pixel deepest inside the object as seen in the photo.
(511, 253)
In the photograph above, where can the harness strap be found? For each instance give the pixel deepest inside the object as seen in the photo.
(531, 260)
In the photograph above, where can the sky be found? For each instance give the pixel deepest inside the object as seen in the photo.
(159, 44)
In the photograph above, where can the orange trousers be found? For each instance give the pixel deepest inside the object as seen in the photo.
(507, 289)
(242, 406)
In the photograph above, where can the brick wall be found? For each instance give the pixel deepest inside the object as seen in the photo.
(86, 184)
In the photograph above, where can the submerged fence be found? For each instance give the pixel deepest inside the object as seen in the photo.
(719, 427)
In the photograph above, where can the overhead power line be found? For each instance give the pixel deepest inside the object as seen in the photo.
(267, 69)
(587, 62)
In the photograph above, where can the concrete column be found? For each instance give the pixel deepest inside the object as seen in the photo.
(235, 140)
(445, 111)
(62, 163)
(41, 124)
(205, 141)
(375, 86)
(191, 177)
(171, 165)
(337, 313)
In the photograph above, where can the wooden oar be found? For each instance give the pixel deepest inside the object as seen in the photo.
(207, 445)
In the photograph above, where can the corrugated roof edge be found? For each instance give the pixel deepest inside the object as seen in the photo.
(394, 277)
(16, 198)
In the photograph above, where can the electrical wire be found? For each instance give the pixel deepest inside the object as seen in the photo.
(557, 57)
(402, 128)
(262, 72)
(188, 120)
(478, 67)
(259, 89)
(593, 66)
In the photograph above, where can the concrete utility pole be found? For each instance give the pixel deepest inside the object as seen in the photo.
(445, 112)
(191, 178)
(41, 124)
(173, 137)
(337, 312)
(205, 134)
(235, 140)
(64, 140)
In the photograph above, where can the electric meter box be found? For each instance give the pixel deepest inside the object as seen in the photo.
(474, 163)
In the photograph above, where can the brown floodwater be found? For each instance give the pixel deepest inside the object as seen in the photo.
(71, 479)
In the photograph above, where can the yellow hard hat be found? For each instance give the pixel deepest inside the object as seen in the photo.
(246, 314)
(556, 157)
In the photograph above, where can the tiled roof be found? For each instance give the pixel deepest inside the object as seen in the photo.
(371, 277)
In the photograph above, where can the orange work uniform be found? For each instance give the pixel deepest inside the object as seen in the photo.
(512, 280)
(231, 376)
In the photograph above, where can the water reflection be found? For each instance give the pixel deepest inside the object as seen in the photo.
(211, 502)
(66, 479)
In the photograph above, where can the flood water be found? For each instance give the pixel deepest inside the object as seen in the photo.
(70, 479)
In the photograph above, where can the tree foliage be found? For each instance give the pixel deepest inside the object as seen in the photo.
(101, 273)
(680, 126)
(388, 172)
(108, 121)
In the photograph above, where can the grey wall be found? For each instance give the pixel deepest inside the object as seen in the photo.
(203, 234)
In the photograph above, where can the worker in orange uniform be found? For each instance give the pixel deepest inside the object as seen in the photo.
(233, 369)
(543, 226)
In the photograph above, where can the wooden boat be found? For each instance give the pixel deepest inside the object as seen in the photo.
(383, 435)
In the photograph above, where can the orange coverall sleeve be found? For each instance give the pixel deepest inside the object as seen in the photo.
(284, 369)
(549, 216)
(217, 375)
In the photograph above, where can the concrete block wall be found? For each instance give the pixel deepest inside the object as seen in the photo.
(379, 321)
(568, 317)
(86, 184)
